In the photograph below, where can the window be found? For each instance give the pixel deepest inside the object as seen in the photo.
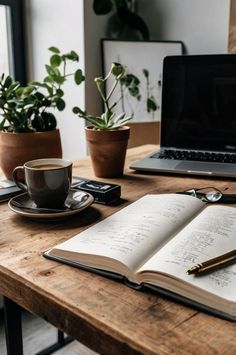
(12, 48)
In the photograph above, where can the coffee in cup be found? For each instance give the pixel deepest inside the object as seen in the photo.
(47, 181)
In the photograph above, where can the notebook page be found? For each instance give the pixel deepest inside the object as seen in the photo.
(210, 234)
(133, 233)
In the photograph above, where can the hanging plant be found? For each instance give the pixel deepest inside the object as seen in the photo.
(124, 23)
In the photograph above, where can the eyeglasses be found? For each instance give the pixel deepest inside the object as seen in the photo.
(210, 195)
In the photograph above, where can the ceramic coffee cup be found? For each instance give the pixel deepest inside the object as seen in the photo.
(47, 181)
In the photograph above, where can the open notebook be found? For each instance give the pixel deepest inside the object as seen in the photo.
(198, 117)
(154, 241)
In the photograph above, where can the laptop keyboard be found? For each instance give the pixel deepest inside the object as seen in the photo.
(195, 156)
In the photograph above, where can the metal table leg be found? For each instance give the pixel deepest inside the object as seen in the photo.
(13, 327)
(13, 331)
(62, 341)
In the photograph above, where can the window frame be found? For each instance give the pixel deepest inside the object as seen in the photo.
(18, 38)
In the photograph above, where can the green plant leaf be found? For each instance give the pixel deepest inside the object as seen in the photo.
(8, 82)
(78, 76)
(146, 73)
(151, 105)
(59, 79)
(94, 122)
(108, 116)
(119, 117)
(97, 122)
(24, 107)
(19, 91)
(14, 86)
(77, 111)
(60, 104)
(74, 56)
(130, 79)
(28, 90)
(122, 122)
(134, 91)
(49, 89)
(38, 123)
(54, 50)
(102, 7)
(2, 102)
(50, 70)
(55, 60)
(60, 92)
(2, 124)
(97, 118)
(39, 96)
(48, 79)
(49, 121)
(117, 69)
(35, 83)
(71, 56)
(47, 102)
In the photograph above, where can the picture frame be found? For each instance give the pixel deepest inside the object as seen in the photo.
(143, 61)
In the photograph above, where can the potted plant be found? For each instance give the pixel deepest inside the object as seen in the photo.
(107, 135)
(28, 127)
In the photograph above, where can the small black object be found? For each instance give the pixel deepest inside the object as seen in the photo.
(8, 189)
(104, 193)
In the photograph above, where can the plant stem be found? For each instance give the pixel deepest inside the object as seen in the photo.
(111, 92)
(122, 97)
(147, 78)
(101, 93)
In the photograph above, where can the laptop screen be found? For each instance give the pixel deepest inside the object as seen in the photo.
(199, 102)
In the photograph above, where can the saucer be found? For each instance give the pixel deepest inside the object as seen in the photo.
(76, 202)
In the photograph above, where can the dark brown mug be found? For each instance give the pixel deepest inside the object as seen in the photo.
(47, 181)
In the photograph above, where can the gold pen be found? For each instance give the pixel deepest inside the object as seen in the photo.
(212, 263)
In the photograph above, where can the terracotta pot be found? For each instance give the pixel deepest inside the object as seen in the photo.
(107, 150)
(17, 148)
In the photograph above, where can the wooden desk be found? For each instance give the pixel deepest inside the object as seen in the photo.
(104, 314)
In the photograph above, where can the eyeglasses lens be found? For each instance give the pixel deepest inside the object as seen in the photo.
(213, 196)
(209, 194)
(191, 192)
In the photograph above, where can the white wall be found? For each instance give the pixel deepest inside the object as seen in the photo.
(59, 23)
(71, 24)
(94, 30)
(201, 24)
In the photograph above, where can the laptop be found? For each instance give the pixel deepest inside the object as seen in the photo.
(198, 117)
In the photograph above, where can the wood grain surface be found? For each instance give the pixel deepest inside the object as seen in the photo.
(232, 27)
(144, 132)
(104, 314)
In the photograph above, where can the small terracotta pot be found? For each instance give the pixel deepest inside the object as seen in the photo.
(17, 148)
(107, 150)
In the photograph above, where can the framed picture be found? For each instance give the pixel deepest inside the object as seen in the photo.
(139, 91)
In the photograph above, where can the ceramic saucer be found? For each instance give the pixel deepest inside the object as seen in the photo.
(76, 202)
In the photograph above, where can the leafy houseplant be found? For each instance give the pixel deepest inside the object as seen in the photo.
(107, 134)
(124, 23)
(108, 120)
(28, 125)
(24, 109)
